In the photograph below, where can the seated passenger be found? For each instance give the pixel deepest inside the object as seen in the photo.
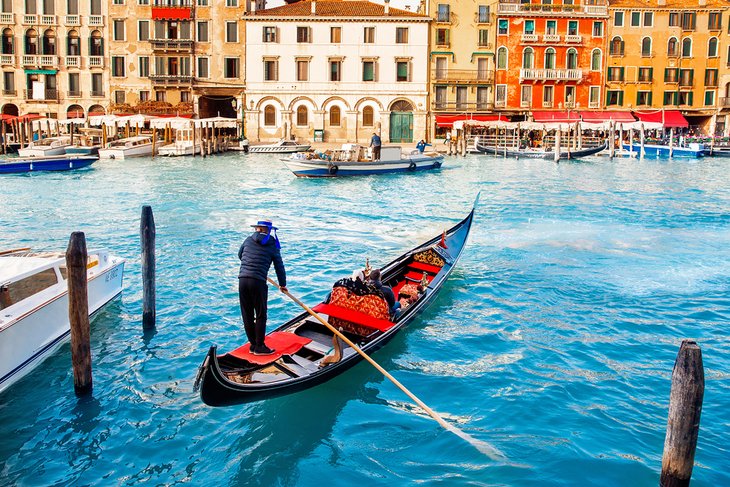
(374, 280)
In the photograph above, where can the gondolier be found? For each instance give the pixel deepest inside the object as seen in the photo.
(257, 253)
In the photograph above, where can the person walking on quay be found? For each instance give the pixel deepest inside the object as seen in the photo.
(375, 143)
(257, 253)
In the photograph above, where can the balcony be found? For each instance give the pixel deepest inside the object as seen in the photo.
(7, 18)
(171, 79)
(29, 60)
(725, 102)
(482, 19)
(96, 61)
(96, 20)
(48, 61)
(594, 104)
(551, 38)
(7, 59)
(475, 76)
(573, 39)
(443, 18)
(528, 38)
(455, 106)
(172, 44)
(73, 94)
(48, 95)
(551, 74)
(30, 19)
(97, 94)
(49, 20)
(514, 7)
(10, 93)
(73, 61)
(73, 20)
(547, 104)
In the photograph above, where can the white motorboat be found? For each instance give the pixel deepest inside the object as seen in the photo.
(34, 303)
(184, 144)
(283, 146)
(50, 146)
(137, 146)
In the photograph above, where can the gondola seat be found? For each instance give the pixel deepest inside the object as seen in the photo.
(355, 313)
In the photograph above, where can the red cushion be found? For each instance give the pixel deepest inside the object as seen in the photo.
(353, 316)
(425, 267)
(282, 342)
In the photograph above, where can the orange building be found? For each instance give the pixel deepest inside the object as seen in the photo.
(550, 55)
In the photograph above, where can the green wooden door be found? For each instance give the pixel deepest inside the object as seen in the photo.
(401, 127)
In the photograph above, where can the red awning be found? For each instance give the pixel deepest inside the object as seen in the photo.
(448, 120)
(545, 116)
(172, 13)
(605, 116)
(668, 118)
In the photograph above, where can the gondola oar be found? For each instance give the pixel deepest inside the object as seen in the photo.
(480, 445)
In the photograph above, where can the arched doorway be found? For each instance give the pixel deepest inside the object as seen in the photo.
(75, 111)
(96, 110)
(10, 109)
(401, 122)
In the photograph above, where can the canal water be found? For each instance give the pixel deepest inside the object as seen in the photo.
(553, 341)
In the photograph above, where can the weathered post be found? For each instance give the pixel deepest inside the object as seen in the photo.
(103, 135)
(556, 155)
(671, 142)
(4, 135)
(612, 140)
(192, 126)
(683, 425)
(78, 313)
(154, 141)
(641, 141)
(147, 234)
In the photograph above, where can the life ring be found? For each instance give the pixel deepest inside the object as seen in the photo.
(332, 169)
(412, 166)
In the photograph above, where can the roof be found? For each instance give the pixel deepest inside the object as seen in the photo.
(333, 8)
(669, 4)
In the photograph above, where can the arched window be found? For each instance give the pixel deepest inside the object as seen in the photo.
(7, 42)
(528, 58)
(712, 47)
(571, 60)
(367, 116)
(596, 60)
(335, 116)
(269, 116)
(686, 47)
(302, 116)
(549, 58)
(96, 44)
(646, 47)
(49, 43)
(672, 47)
(502, 58)
(31, 42)
(73, 48)
(616, 47)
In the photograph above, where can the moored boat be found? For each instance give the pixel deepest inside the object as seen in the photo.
(88, 142)
(136, 146)
(517, 153)
(184, 144)
(48, 163)
(302, 345)
(283, 146)
(34, 302)
(351, 161)
(50, 146)
(663, 151)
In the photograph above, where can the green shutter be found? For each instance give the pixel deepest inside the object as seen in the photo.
(649, 99)
(621, 74)
(690, 98)
(402, 70)
(691, 76)
(651, 74)
(621, 97)
(622, 48)
(367, 71)
(666, 74)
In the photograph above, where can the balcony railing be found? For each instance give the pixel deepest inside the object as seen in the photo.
(463, 75)
(73, 94)
(30, 19)
(513, 7)
(73, 61)
(551, 74)
(48, 95)
(10, 92)
(7, 18)
(29, 60)
(171, 78)
(96, 20)
(73, 20)
(551, 38)
(529, 38)
(49, 61)
(462, 106)
(594, 104)
(547, 104)
(443, 18)
(725, 102)
(96, 61)
(573, 39)
(6, 59)
(97, 94)
(172, 44)
(49, 20)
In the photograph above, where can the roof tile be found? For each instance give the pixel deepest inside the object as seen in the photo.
(333, 8)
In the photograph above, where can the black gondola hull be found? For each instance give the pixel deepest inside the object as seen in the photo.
(546, 155)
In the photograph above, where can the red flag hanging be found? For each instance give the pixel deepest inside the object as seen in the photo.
(442, 243)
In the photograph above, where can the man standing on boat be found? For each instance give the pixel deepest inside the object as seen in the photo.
(375, 143)
(257, 253)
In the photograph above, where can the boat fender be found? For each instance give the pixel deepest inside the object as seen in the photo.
(332, 169)
(437, 164)
(412, 166)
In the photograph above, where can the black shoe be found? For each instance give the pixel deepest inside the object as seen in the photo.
(262, 350)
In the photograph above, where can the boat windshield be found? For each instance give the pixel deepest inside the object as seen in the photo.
(17, 291)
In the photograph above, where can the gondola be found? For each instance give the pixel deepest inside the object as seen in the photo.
(302, 343)
(513, 153)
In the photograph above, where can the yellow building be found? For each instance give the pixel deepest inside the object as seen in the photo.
(461, 55)
(667, 54)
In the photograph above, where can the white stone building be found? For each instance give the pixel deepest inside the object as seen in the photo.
(345, 68)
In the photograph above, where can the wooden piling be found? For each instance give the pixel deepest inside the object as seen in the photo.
(685, 408)
(154, 141)
(612, 140)
(147, 235)
(671, 142)
(641, 141)
(103, 135)
(78, 313)
(4, 135)
(192, 126)
(126, 129)
(556, 155)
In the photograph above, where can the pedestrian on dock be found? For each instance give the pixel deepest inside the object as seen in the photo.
(257, 253)
(375, 143)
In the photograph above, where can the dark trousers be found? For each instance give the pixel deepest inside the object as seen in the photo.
(376, 152)
(253, 295)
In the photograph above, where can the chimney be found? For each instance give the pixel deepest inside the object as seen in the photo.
(703, 3)
(314, 7)
(661, 3)
(253, 7)
(387, 7)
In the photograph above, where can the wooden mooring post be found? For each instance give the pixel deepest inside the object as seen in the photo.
(78, 313)
(685, 408)
(147, 235)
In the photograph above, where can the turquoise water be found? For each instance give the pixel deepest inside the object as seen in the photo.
(554, 339)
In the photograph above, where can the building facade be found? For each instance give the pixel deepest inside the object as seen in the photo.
(668, 54)
(549, 56)
(340, 69)
(461, 60)
(52, 57)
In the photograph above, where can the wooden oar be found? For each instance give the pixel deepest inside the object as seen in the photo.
(12, 251)
(480, 445)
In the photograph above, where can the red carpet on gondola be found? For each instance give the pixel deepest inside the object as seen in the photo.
(282, 342)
